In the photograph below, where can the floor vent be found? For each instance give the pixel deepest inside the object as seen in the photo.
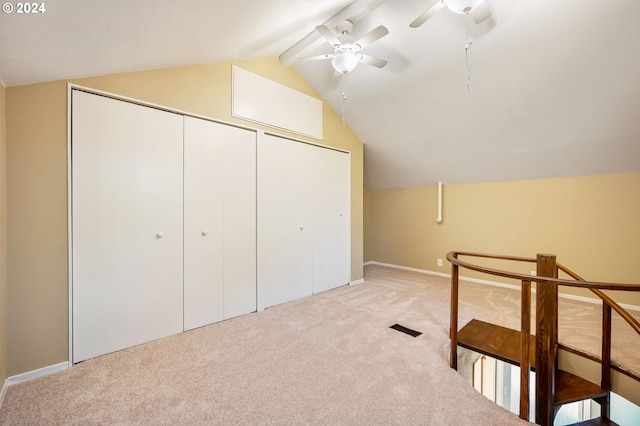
(405, 330)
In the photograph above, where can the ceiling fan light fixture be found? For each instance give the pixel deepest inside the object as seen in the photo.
(462, 7)
(345, 62)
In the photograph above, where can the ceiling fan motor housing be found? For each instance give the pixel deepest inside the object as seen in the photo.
(344, 27)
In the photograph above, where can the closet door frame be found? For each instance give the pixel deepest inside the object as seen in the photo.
(260, 135)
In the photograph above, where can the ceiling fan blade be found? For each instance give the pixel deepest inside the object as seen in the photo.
(427, 14)
(328, 35)
(370, 60)
(481, 13)
(316, 58)
(374, 35)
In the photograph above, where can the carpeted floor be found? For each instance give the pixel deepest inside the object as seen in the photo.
(329, 359)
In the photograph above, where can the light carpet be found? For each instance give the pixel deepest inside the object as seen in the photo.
(328, 359)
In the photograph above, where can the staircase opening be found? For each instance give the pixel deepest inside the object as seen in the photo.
(499, 381)
(536, 348)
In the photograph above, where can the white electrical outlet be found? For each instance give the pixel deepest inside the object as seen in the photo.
(439, 262)
(533, 273)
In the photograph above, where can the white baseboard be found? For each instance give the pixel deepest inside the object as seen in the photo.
(592, 300)
(34, 374)
(356, 282)
(3, 391)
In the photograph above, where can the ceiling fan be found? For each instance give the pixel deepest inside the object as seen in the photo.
(346, 56)
(478, 9)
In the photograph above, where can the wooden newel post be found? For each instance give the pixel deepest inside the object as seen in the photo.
(546, 338)
(453, 323)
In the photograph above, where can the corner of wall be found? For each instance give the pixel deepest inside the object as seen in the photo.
(3, 244)
(368, 234)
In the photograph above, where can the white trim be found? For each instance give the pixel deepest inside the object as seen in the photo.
(592, 300)
(70, 216)
(40, 372)
(356, 282)
(73, 86)
(3, 391)
(260, 298)
(319, 145)
(349, 228)
(408, 268)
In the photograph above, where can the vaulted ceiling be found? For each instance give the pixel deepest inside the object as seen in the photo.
(554, 85)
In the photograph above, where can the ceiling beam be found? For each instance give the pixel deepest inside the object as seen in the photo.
(353, 11)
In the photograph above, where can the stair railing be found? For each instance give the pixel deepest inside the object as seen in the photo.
(608, 305)
(546, 345)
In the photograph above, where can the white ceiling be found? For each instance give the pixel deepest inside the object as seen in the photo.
(555, 85)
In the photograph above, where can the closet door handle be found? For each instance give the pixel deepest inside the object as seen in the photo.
(204, 232)
(159, 235)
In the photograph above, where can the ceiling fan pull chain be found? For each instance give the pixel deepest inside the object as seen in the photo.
(344, 101)
(467, 49)
(344, 95)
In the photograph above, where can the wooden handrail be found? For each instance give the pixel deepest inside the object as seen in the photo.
(609, 301)
(594, 286)
(607, 305)
(547, 322)
(453, 258)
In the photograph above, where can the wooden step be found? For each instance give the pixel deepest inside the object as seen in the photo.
(572, 388)
(504, 344)
(495, 341)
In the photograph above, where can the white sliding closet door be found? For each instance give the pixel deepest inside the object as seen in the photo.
(220, 222)
(203, 224)
(126, 224)
(285, 205)
(304, 219)
(240, 288)
(331, 219)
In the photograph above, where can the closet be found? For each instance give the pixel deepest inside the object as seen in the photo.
(177, 222)
(163, 223)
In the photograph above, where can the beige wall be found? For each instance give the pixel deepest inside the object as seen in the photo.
(368, 236)
(591, 223)
(3, 241)
(36, 117)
